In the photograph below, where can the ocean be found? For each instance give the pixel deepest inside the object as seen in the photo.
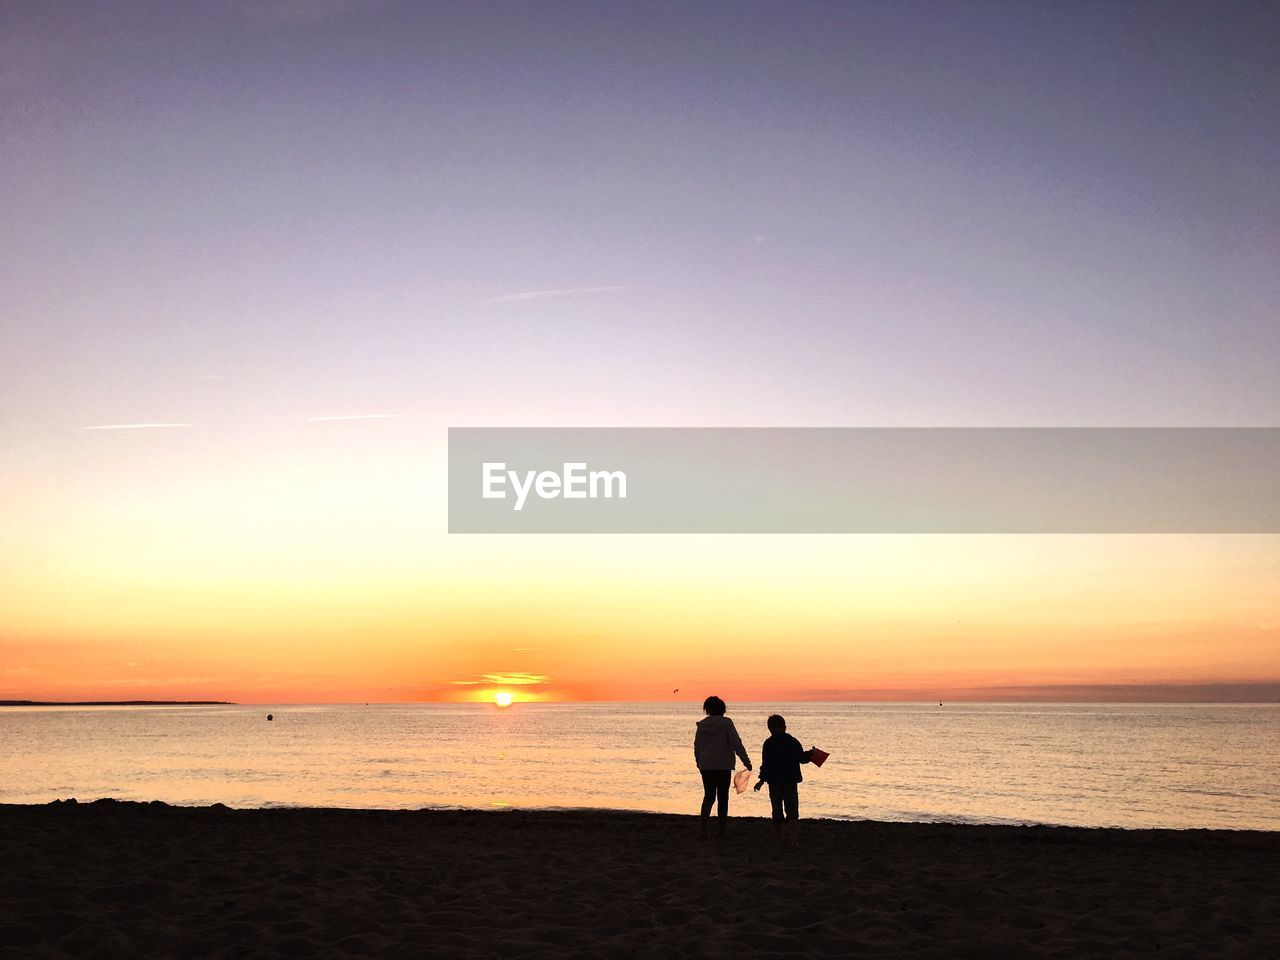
(1178, 766)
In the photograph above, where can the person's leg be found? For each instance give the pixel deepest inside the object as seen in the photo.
(775, 801)
(722, 791)
(792, 804)
(708, 798)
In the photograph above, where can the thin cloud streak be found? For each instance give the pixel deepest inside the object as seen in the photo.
(515, 679)
(305, 12)
(354, 416)
(545, 294)
(136, 426)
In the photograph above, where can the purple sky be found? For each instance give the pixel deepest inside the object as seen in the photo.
(833, 213)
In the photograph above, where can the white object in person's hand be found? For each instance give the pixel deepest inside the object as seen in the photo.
(740, 780)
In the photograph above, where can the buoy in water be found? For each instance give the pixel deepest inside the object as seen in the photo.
(270, 716)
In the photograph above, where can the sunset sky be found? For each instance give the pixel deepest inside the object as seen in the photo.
(257, 258)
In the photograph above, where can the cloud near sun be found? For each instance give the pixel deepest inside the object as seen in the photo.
(505, 680)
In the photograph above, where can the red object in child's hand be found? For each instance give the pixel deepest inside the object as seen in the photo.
(818, 757)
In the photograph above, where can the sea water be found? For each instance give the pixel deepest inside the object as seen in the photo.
(1090, 765)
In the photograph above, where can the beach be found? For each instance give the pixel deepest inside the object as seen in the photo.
(112, 879)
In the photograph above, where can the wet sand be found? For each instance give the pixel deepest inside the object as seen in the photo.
(112, 879)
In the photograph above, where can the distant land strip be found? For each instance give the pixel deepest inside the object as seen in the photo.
(1264, 692)
(116, 703)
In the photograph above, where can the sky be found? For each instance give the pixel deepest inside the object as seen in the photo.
(258, 257)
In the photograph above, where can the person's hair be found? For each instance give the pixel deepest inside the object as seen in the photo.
(776, 723)
(713, 705)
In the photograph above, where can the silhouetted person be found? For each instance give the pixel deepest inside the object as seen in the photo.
(780, 760)
(714, 746)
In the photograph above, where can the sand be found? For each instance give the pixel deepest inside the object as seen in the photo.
(112, 879)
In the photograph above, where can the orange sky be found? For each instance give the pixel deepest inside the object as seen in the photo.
(288, 590)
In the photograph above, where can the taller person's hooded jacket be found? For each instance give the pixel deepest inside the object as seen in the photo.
(715, 743)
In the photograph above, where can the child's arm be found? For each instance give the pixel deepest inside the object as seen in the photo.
(805, 755)
(735, 741)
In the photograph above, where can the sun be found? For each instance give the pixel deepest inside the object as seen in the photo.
(502, 698)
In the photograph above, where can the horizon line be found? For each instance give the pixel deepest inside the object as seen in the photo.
(15, 704)
(1226, 692)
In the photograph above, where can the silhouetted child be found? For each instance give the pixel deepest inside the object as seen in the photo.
(780, 760)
